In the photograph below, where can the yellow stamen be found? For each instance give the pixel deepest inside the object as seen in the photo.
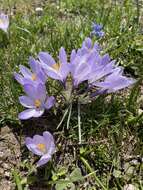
(37, 103)
(41, 147)
(1, 21)
(34, 77)
(56, 66)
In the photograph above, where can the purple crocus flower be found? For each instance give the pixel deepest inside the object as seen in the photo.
(43, 146)
(58, 71)
(99, 71)
(114, 82)
(106, 76)
(97, 30)
(36, 101)
(35, 76)
(4, 22)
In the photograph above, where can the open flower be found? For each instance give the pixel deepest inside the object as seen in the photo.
(106, 76)
(114, 82)
(4, 22)
(43, 146)
(98, 70)
(58, 71)
(36, 101)
(97, 30)
(35, 76)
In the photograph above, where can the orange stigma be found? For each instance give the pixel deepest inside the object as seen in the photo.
(56, 66)
(37, 103)
(34, 77)
(41, 147)
(1, 21)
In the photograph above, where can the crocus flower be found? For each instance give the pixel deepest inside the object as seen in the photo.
(35, 76)
(97, 30)
(99, 71)
(58, 71)
(114, 82)
(4, 22)
(43, 146)
(107, 77)
(36, 101)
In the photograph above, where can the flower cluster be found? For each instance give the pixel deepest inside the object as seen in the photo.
(33, 82)
(86, 65)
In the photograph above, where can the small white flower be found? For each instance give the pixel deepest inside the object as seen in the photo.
(129, 187)
(39, 9)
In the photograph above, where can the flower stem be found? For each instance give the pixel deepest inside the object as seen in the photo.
(91, 170)
(66, 112)
(69, 116)
(79, 124)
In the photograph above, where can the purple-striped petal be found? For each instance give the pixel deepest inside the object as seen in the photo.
(50, 72)
(49, 141)
(73, 55)
(87, 43)
(100, 71)
(43, 160)
(54, 75)
(31, 91)
(114, 83)
(105, 59)
(49, 102)
(64, 71)
(32, 146)
(46, 58)
(42, 76)
(48, 137)
(96, 47)
(41, 92)
(19, 78)
(38, 139)
(35, 67)
(62, 56)
(38, 113)
(25, 71)
(26, 101)
(26, 114)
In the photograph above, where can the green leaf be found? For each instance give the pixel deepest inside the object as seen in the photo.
(17, 180)
(117, 173)
(62, 184)
(62, 171)
(76, 175)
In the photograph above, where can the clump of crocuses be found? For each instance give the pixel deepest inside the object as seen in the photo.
(99, 73)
